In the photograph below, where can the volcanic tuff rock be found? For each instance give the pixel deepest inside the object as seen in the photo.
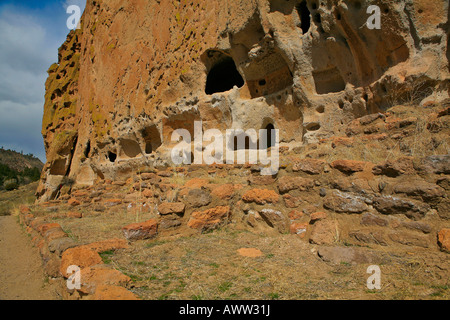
(137, 70)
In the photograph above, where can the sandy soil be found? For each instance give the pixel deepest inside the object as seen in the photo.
(21, 274)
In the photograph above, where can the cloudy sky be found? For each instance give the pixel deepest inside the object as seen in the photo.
(31, 31)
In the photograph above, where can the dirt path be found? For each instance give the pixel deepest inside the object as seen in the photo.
(21, 274)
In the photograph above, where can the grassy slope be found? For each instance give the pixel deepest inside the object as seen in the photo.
(18, 161)
(11, 200)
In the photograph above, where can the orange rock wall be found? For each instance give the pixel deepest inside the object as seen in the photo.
(137, 70)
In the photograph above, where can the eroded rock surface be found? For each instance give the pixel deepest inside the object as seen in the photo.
(138, 70)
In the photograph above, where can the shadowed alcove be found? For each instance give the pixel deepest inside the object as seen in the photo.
(223, 76)
(304, 15)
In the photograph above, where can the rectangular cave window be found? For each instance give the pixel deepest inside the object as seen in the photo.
(223, 76)
(328, 81)
(272, 82)
(58, 167)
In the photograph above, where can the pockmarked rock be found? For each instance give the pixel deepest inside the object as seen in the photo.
(349, 166)
(444, 239)
(171, 208)
(81, 257)
(344, 202)
(310, 166)
(275, 219)
(323, 232)
(210, 218)
(261, 196)
(94, 276)
(141, 231)
(198, 198)
(352, 255)
(286, 184)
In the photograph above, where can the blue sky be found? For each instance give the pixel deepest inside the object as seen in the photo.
(31, 31)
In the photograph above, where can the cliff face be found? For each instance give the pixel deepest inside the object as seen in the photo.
(137, 70)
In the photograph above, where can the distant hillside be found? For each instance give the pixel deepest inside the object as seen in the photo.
(17, 169)
(18, 161)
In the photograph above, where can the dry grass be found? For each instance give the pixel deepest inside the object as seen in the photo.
(418, 141)
(97, 226)
(208, 267)
(196, 266)
(11, 200)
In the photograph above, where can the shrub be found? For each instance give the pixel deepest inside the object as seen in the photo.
(10, 184)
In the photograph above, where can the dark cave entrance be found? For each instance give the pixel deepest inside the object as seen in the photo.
(152, 138)
(112, 156)
(248, 145)
(87, 150)
(305, 16)
(148, 148)
(270, 135)
(223, 77)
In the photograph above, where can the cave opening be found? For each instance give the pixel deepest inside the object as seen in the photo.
(58, 167)
(305, 16)
(270, 135)
(248, 145)
(223, 77)
(87, 150)
(152, 138)
(313, 126)
(148, 148)
(112, 156)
